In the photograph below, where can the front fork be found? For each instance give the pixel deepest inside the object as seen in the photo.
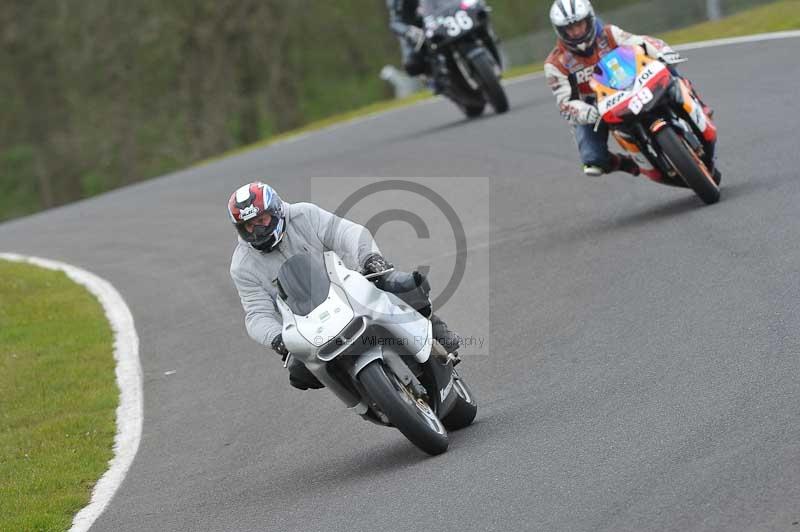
(438, 379)
(694, 126)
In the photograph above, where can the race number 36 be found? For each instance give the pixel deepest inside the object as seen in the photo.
(458, 23)
(639, 100)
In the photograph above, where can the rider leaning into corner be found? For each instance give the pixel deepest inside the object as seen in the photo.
(406, 22)
(582, 40)
(271, 231)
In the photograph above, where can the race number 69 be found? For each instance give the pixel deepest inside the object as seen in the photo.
(639, 100)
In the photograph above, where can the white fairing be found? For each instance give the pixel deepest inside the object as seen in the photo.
(325, 322)
(352, 296)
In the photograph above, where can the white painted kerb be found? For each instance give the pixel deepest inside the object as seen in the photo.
(129, 380)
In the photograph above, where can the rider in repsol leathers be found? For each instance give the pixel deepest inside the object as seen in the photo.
(271, 231)
(582, 40)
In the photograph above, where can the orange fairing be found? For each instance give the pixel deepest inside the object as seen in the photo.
(697, 114)
(626, 81)
(625, 144)
(688, 101)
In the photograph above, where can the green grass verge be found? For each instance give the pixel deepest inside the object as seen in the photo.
(778, 16)
(57, 397)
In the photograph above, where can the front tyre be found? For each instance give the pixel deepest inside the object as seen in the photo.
(688, 165)
(413, 417)
(486, 72)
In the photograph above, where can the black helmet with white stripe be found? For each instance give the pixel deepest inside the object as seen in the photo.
(567, 13)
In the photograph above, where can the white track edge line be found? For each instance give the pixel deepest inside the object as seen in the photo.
(129, 380)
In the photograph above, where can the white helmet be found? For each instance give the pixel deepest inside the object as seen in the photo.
(564, 13)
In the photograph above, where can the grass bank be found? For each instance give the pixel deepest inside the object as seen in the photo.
(57, 397)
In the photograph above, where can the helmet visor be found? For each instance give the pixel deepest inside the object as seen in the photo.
(579, 35)
(260, 232)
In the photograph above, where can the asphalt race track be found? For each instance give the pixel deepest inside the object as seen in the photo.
(642, 370)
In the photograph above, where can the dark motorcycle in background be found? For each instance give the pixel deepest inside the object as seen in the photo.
(466, 63)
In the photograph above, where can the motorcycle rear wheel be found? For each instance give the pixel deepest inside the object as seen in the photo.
(688, 165)
(413, 417)
(465, 409)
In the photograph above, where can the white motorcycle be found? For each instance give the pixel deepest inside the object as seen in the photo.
(372, 350)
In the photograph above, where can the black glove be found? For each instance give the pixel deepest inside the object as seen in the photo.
(278, 347)
(375, 263)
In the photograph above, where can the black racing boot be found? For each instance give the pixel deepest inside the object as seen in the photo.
(621, 163)
(447, 338)
(301, 378)
(717, 175)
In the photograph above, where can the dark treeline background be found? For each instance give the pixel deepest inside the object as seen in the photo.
(96, 94)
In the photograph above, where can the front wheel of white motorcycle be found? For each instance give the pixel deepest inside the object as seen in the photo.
(412, 416)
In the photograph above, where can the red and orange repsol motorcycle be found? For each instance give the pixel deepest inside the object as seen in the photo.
(655, 116)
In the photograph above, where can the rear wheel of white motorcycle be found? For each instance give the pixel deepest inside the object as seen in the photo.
(413, 417)
(465, 409)
(486, 71)
(688, 164)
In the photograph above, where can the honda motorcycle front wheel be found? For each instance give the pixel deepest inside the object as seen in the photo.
(688, 165)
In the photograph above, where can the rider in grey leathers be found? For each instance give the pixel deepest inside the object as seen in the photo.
(271, 231)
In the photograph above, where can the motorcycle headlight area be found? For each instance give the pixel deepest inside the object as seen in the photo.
(350, 335)
(327, 321)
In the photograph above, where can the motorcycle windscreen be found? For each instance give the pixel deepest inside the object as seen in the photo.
(436, 7)
(303, 283)
(617, 69)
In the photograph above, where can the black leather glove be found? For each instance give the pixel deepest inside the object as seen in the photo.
(278, 347)
(375, 263)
